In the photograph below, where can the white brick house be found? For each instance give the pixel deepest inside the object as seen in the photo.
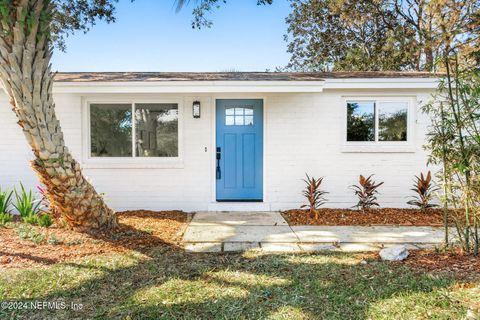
(271, 129)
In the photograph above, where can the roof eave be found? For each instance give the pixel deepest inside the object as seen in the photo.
(382, 83)
(188, 86)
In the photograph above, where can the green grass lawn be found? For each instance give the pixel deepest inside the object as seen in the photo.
(170, 284)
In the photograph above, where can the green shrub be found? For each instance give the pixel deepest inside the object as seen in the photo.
(44, 220)
(27, 232)
(27, 205)
(5, 218)
(32, 219)
(5, 201)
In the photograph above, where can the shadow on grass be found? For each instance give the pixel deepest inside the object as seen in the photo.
(41, 260)
(168, 283)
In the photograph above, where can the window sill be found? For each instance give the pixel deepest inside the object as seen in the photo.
(377, 149)
(132, 164)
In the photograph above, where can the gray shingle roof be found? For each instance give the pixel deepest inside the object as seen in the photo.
(230, 76)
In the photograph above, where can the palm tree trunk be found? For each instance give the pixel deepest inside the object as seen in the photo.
(25, 54)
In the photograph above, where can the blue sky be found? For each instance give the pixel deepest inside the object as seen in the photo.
(150, 36)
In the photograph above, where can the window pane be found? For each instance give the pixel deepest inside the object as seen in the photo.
(229, 111)
(156, 127)
(239, 120)
(249, 111)
(248, 120)
(229, 120)
(360, 121)
(238, 111)
(392, 121)
(111, 130)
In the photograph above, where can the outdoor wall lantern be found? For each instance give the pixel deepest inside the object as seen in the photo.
(196, 109)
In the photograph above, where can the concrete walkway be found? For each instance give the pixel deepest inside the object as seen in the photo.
(268, 231)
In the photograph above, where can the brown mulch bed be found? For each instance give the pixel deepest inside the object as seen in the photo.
(460, 265)
(383, 216)
(138, 231)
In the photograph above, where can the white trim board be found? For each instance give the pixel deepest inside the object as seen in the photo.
(382, 83)
(188, 86)
(243, 86)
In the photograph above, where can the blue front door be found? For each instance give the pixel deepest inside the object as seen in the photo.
(239, 150)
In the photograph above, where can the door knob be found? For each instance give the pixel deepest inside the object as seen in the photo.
(219, 156)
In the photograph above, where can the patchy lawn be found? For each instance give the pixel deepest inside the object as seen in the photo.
(171, 284)
(140, 272)
(382, 216)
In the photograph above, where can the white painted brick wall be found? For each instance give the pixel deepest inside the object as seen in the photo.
(303, 133)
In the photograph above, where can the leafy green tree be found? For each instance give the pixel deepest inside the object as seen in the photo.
(379, 35)
(454, 143)
(205, 7)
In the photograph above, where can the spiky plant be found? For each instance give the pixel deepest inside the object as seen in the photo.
(5, 218)
(5, 201)
(315, 196)
(424, 190)
(26, 204)
(366, 191)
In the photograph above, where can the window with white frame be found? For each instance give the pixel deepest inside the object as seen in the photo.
(134, 130)
(377, 121)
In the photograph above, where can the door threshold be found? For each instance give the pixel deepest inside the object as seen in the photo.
(239, 206)
(243, 201)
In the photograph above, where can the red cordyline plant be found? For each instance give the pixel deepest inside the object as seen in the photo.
(366, 192)
(424, 190)
(315, 196)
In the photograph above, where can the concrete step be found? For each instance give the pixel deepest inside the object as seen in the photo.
(238, 206)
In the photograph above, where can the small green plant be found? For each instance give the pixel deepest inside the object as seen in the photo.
(315, 196)
(148, 231)
(424, 190)
(5, 201)
(5, 218)
(74, 242)
(54, 241)
(32, 219)
(26, 205)
(366, 192)
(27, 232)
(44, 220)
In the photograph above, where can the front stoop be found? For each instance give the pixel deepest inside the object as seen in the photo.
(269, 232)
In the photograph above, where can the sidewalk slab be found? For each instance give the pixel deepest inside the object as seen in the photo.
(225, 233)
(361, 234)
(240, 246)
(239, 218)
(280, 247)
(269, 232)
(203, 247)
(317, 247)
